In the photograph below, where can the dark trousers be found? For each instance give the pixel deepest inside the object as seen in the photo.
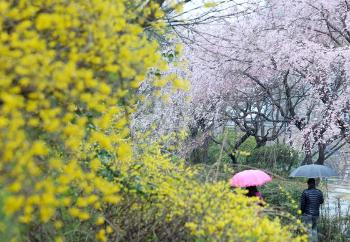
(311, 223)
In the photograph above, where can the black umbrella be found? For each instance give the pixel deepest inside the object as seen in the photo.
(313, 171)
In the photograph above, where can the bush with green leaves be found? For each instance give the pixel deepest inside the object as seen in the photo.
(231, 137)
(278, 157)
(283, 194)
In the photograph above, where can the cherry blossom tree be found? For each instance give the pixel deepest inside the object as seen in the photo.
(296, 54)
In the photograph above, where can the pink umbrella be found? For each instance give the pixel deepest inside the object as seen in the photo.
(250, 178)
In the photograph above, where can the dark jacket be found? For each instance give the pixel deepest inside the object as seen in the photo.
(310, 201)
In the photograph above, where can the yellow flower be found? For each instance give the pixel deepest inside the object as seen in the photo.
(13, 204)
(46, 213)
(95, 164)
(100, 220)
(181, 84)
(101, 235)
(15, 187)
(109, 230)
(39, 148)
(124, 151)
(58, 224)
(84, 216)
(111, 199)
(25, 219)
(59, 239)
(210, 4)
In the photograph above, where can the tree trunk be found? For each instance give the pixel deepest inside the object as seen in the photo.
(308, 158)
(200, 154)
(321, 154)
(307, 148)
(233, 148)
(241, 140)
(260, 142)
(233, 158)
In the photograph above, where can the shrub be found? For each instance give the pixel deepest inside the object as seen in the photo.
(68, 78)
(241, 154)
(283, 194)
(283, 198)
(278, 157)
(334, 223)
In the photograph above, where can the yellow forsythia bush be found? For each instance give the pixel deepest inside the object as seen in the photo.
(174, 205)
(69, 168)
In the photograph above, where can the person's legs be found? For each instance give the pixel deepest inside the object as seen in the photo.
(307, 220)
(314, 228)
(314, 222)
(311, 224)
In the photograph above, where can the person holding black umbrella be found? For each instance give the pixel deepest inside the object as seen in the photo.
(312, 198)
(310, 202)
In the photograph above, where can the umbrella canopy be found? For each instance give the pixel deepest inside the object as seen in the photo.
(313, 171)
(249, 178)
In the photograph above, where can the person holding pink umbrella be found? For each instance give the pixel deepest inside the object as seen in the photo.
(254, 192)
(250, 179)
